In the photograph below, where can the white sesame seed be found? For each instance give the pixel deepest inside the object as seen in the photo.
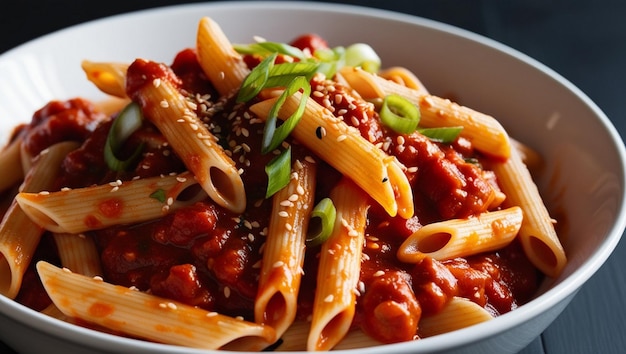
(378, 273)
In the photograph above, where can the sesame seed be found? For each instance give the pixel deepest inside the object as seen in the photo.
(181, 179)
(156, 82)
(98, 278)
(164, 104)
(278, 264)
(226, 292)
(341, 137)
(283, 214)
(378, 273)
(329, 298)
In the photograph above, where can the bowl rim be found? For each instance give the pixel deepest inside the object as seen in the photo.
(551, 297)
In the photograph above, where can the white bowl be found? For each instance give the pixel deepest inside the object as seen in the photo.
(584, 179)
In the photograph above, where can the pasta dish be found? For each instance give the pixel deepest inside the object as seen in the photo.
(270, 196)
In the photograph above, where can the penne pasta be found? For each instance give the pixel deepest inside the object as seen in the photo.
(295, 337)
(11, 156)
(174, 116)
(91, 208)
(449, 239)
(78, 253)
(223, 66)
(283, 257)
(19, 236)
(537, 233)
(146, 316)
(379, 174)
(398, 81)
(404, 77)
(339, 269)
(457, 314)
(109, 77)
(485, 132)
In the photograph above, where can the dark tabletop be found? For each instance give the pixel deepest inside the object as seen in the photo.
(583, 40)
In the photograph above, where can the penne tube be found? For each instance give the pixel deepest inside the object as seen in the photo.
(146, 316)
(343, 147)
(537, 234)
(197, 147)
(221, 63)
(485, 132)
(108, 77)
(339, 268)
(19, 236)
(295, 337)
(404, 77)
(78, 253)
(393, 81)
(91, 208)
(488, 231)
(283, 256)
(11, 156)
(457, 314)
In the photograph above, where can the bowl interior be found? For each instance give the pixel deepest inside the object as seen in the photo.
(583, 179)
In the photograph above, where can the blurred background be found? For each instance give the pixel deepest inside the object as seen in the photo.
(583, 40)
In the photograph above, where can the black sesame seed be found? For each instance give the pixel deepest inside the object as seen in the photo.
(319, 132)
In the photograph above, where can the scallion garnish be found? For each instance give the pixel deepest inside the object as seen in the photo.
(267, 48)
(127, 122)
(256, 79)
(283, 74)
(273, 136)
(278, 172)
(159, 195)
(399, 114)
(322, 222)
(444, 135)
(363, 55)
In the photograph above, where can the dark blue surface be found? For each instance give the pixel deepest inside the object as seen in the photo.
(583, 40)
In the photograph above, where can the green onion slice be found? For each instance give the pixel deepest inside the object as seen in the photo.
(283, 74)
(363, 55)
(159, 195)
(399, 114)
(273, 136)
(322, 222)
(126, 123)
(268, 48)
(331, 60)
(256, 79)
(278, 172)
(444, 135)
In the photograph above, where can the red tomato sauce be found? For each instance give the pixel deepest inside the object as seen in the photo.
(206, 256)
